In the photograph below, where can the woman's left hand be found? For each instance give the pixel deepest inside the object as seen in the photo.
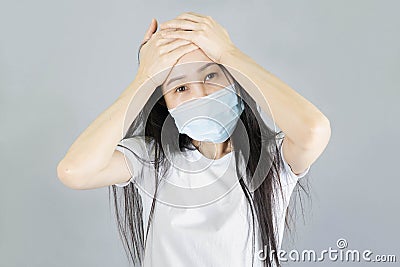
(203, 31)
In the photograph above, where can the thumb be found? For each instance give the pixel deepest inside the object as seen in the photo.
(151, 30)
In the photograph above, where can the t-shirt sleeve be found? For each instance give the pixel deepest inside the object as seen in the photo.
(288, 180)
(136, 154)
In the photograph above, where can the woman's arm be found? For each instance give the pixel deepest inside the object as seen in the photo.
(92, 161)
(307, 130)
(92, 150)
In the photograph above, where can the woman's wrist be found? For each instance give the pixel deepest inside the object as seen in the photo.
(142, 77)
(229, 54)
(138, 82)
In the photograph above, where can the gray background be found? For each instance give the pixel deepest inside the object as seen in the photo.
(64, 62)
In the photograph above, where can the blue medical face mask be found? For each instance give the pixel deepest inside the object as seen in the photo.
(211, 118)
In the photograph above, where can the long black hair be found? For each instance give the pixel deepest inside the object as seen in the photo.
(254, 142)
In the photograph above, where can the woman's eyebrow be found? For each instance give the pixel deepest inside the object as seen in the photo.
(199, 70)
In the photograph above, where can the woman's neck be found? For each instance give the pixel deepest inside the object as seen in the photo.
(213, 150)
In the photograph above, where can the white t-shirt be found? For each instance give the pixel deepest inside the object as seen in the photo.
(201, 217)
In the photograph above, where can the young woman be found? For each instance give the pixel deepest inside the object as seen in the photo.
(204, 180)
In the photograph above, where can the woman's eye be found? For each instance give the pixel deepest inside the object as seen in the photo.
(177, 89)
(211, 75)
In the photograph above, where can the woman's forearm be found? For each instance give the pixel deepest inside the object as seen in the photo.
(94, 147)
(293, 114)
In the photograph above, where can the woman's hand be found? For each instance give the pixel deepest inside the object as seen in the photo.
(203, 31)
(156, 59)
(150, 31)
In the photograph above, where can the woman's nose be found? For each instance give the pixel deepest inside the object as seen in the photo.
(201, 89)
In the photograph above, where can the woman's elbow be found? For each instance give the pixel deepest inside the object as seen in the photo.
(321, 132)
(68, 176)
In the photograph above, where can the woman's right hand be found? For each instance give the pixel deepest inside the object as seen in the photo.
(158, 55)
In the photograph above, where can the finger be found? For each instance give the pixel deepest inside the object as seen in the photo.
(196, 14)
(152, 28)
(159, 40)
(166, 30)
(180, 51)
(164, 49)
(162, 31)
(164, 41)
(187, 35)
(191, 16)
(157, 35)
(181, 24)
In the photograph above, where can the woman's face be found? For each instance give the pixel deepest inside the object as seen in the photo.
(193, 76)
